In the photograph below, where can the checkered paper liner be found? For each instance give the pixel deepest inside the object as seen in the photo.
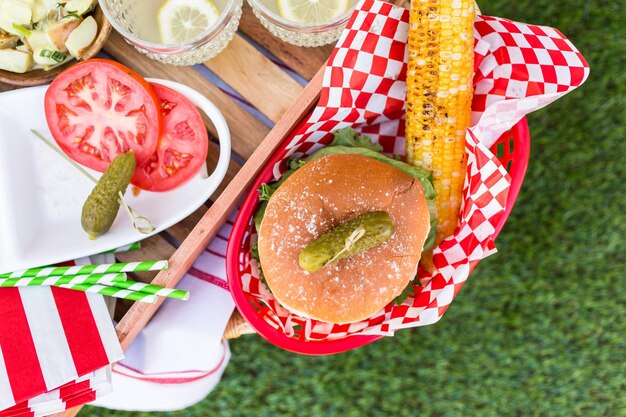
(518, 68)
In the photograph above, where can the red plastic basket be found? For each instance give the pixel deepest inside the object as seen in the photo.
(512, 149)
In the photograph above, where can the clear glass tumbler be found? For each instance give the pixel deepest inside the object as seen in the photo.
(297, 33)
(136, 21)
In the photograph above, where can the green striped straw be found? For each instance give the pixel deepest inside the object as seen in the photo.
(112, 292)
(152, 289)
(127, 248)
(104, 279)
(51, 271)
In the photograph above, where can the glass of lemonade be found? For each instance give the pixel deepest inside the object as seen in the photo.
(304, 22)
(179, 32)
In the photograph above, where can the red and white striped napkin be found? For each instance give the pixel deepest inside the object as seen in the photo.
(83, 390)
(54, 344)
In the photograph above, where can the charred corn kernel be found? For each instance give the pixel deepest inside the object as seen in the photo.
(439, 97)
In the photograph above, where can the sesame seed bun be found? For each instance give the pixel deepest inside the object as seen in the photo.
(316, 198)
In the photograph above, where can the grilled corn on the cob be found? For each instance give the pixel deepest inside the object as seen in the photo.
(439, 96)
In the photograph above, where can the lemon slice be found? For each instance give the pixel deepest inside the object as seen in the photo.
(312, 11)
(184, 20)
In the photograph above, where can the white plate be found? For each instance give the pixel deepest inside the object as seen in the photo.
(41, 194)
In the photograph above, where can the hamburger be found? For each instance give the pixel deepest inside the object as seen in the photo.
(341, 234)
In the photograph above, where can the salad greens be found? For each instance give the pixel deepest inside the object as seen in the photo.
(350, 138)
(406, 292)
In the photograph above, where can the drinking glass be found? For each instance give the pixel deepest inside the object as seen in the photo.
(136, 21)
(298, 33)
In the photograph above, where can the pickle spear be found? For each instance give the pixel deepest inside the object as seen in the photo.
(102, 205)
(355, 236)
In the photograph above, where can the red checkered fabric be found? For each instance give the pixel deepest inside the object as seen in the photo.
(519, 68)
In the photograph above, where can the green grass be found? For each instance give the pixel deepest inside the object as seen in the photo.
(540, 328)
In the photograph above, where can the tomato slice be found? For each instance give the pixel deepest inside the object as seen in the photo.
(98, 109)
(183, 146)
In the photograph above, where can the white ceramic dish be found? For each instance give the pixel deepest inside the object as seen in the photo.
(41, 194)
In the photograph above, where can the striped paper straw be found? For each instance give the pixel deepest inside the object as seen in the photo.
(103, 279)
(112, 292)
(127, 248)
(153, 289)
(51, 271)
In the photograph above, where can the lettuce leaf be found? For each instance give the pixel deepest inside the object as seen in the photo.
(254, 251)
(266, 190)
(348, 137)
(408, 291)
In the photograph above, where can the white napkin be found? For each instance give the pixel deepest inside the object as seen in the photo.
(179, 356)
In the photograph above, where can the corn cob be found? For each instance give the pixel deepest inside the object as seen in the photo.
(439, 96)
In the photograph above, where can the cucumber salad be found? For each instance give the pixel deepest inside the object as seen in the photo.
(42, 34)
